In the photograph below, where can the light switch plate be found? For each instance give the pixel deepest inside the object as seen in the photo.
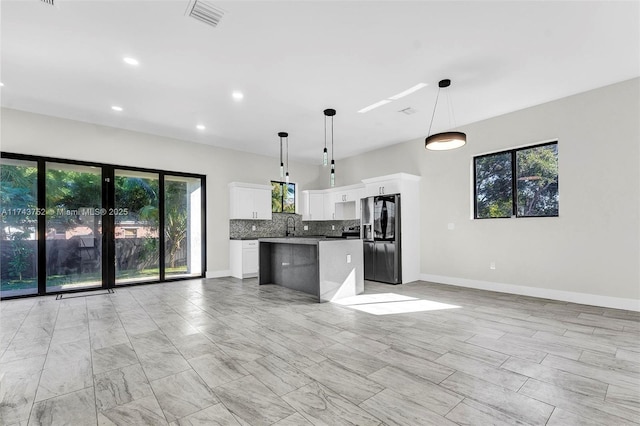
(348, 258)
(306, 227)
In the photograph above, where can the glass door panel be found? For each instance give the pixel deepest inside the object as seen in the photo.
(18, 226)
(73, 226)
(136, 211)
(182, 226)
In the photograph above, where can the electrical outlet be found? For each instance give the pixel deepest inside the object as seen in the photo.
(348, 258)
(253, 227)
(451, 226)
(306, 227)
(333, 227)
(492, 265)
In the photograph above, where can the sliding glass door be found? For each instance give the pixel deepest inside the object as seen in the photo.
(68, 225)
(18, 227)
(136, 214)
(73, 226)
(182, 226)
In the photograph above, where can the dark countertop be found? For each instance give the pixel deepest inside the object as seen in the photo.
(293, 240)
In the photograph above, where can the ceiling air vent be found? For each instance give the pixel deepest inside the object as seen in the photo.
(408, 111)
(49, 2)
(204, 11)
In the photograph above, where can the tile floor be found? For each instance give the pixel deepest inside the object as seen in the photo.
(228, 352)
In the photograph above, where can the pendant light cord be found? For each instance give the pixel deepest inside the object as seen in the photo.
(287, 154)
(434, 112)
(331, 138)
(325, 132)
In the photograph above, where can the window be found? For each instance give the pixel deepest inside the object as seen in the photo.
(520, 182)
(283, 197)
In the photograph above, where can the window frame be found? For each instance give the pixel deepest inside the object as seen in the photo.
(514, 181)
(282, 196)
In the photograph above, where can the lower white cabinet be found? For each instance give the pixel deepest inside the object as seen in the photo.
(243, 258)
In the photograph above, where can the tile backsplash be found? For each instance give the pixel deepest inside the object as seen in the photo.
(277, 227)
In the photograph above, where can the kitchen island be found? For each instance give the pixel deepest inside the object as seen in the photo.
(327, 268)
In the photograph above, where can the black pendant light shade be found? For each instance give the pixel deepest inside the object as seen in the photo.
(332, 177)
(446, 140)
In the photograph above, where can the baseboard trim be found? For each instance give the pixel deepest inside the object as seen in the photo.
(218, 274)
(545, 293)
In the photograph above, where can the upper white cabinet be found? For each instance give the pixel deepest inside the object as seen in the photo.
(342, 203)
(346, 202)
(249, 201)
(383, 186)
(329, 207)
(313, 205)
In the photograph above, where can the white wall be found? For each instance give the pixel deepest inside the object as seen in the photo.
(26, 133)
(589, 254)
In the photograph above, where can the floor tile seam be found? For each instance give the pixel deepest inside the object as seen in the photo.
(20, 326)
(560, 386)
(344, 398)
(93, 375)
(379, 392)
(628, 370)
(499, 408)
(230, 410)
(462, 399)
(33, 404)
(113, 369)
(576, 345)
(587, 365)
(572, 404)
(337, 392)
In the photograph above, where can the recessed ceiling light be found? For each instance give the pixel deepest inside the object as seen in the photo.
(200, 127)
(237, 95)
(131, 61)
(376, 105)
(1, 84)
(116, 108)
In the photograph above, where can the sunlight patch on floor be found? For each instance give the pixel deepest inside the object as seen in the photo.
(391, 303)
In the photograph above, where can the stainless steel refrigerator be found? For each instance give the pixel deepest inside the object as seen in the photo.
(380, 231)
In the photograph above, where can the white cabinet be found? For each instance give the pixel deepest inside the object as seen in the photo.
(346, 202)
(243, 258)
(375, 187)
(249, 201)
(329, 206)
(342, 203)
(313, 205)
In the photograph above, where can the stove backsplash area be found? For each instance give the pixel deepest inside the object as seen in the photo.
(277, 227)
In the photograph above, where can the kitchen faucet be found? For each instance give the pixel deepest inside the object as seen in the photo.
(287, 233)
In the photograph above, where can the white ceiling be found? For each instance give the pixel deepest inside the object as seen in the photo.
(293, 59)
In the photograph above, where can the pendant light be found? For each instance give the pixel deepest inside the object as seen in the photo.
(446, 140)
(330, 113)
(281, 134)
(325, 154)
(282, 166)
